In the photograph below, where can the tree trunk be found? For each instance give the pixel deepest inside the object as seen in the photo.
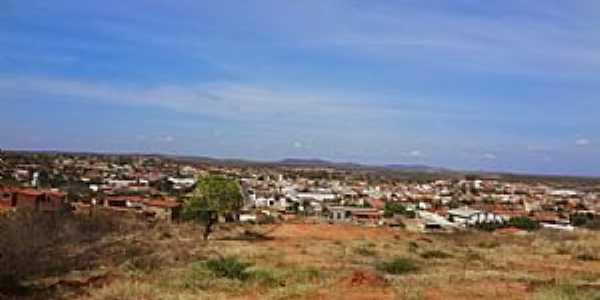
(208, 229)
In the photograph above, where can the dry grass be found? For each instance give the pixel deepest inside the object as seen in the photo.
(298, 261)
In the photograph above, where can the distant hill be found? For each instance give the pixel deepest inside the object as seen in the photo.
(417, 168)
(319, 163)
(349, 165)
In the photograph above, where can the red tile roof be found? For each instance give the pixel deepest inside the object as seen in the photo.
(510, 213)
(162, 203)
(30, 192)
(126, 198)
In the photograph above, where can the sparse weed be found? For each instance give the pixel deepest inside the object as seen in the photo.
(398, 266)
(365, 251)
(413, 247)
(488, 244)
(566, 292)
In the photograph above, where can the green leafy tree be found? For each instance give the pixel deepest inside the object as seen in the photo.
(393, 208)
(214, 196)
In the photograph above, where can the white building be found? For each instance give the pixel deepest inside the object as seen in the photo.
(467, 216)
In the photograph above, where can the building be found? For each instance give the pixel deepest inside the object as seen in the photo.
(39, 200)
(166, 210)
(468, 217)
(344, 214)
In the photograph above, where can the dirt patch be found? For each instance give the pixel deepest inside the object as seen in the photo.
(365, 278)
(332, 232)
(491, 289)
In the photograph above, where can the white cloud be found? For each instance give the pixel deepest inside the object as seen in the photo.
(166, 139)
(416, 153)
(490, 156)
(582, 142)
(226, 100)
(538, 148)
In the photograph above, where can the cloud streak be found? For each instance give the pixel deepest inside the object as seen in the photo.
(222, 99)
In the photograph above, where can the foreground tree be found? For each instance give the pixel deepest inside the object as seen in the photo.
(214, 196)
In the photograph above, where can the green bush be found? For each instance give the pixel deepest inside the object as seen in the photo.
(229, 267)
(392, 208)
(524, 223)
(395, 208)
(435, 254)
(398, 266)
(489, 227)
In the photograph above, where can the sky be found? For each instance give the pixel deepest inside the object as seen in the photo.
(506, 85)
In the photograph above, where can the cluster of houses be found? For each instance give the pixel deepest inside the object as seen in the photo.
(439, 204)
(153, 187)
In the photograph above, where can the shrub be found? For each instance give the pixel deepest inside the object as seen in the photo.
(398, 266)
(413, 247)
(524, 223)
(435, 254)
(33, 243)
(229, 267)
(585, 222)
(365, 251)
(587, 257)
(489, 227)
(266, 220)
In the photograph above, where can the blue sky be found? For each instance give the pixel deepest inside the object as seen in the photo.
(476, 85)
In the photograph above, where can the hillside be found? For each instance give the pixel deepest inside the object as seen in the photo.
(321, 261)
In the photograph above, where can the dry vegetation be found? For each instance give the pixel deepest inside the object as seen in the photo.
(302, 261)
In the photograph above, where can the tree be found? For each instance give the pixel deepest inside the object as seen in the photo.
(214, 196)
(393, 208)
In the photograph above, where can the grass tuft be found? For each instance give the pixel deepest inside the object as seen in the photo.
(229, 267)
(398, 266)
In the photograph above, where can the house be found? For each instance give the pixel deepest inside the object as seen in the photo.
(434, 220)
(320, 197)
(135, 202)
(52, 201)
(165, 209)
(344, 214)
(548, 217)
(467, 216)
(39, 200)
(182, 183)
(27, 198)
(6, 197)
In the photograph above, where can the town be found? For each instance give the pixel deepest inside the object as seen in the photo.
(116, 226)
(153, 188)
